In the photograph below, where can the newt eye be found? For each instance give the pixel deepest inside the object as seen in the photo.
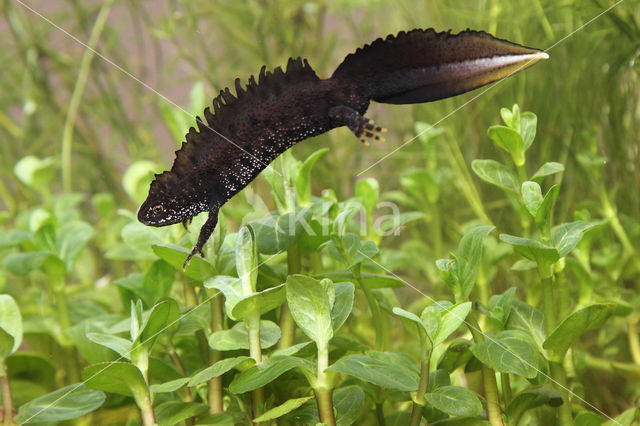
(158, 209)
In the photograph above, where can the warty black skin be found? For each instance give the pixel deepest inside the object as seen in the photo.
(247, 131)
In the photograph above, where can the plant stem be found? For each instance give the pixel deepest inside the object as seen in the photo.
(78, 90)
(560, 378)
(506, 388)
(548, 304)
(634, 342)
(420, 402)
(488, 376)
(380, 414)
(146, 409)
(562, 292)
(215, 385)
(287, 325)
(68, 351)
(255, 351)
(556, 369)
(324, 398)
(7, 400)
(609, 212)
(324, 391)
(374, 307)
(468, 188)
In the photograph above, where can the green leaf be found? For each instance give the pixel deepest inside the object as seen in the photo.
(238, 337)
(115, 377)
(140, 239)
(547, 169)
(587, 418)
(543, 215)
(34, 172)
(566, 333)
(431, 317)
(509, 352)
(275, 233)
(174, 412)
(170, 386)
(530, 398)
(217, 369)
(158, 280)
(310, 307)
(262, 301)
(524, 265)
(292, 350)
(105, 204)
(6, 344)
(137, 178)
(528, 124)
(387, 369)
(627, 418)
(303, 181)
(282, 409)
(176, 120)
(344, 294)
(500, 306)
(198, 269)
(455, 400)
(567, 236)
(451, 318)
(350, 249)
(266, 372)
(71, 239)
(399, 418)
(10, 323)
(38, 219)
(197, 98)
(231, 287)
(496, 174)
(68, 403)
(543, 255)
(370, 280)
(247, 259)
(368, 190)
(509, 140)
(526, 318)
(456, 355)
(13, 238)
(511, 117)
(407, 315)
(348, 402)
(162, 319)
(117, 344)
(532, 197)
(23, 263)
(469, 257)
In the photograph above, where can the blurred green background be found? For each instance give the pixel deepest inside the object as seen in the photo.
(586, 94)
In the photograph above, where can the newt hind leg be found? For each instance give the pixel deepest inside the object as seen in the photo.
(361, 126)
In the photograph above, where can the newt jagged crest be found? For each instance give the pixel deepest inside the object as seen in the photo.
(245, 132)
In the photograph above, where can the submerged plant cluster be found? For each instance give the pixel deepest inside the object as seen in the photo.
(283, 322)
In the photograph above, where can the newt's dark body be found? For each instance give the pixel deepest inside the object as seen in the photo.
(244, 133)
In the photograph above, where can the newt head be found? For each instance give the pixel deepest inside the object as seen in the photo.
(166, 204)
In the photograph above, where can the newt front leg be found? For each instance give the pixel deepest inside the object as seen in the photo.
(205, 233)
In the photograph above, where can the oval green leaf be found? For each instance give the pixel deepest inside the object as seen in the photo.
(455, 400)
(566, 333)
(68, 403)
